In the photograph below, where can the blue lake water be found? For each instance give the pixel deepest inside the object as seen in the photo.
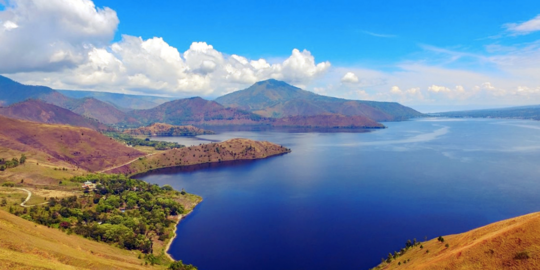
(344, 200)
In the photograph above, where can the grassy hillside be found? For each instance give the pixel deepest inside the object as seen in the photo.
(99, 110)
(508, 244)
(81, 147)
(274, 98)
(25, 245)
(234, 149)
(160, 129)
(39, 111)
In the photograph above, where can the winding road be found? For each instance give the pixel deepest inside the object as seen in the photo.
(23, 204)
(131, 161)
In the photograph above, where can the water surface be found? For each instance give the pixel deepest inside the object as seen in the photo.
(344, 200)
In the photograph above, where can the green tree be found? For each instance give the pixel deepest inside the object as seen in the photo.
(22, 160)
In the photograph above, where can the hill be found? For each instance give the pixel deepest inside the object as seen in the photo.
(12, 92)
(272, 98)
(326, 121)
(523, 112)
(25, 245)
(39, 111)
(81, 147)
(234, 149)
(195, 111)
(160, 129)
(507, 244)
(97, 109)
(129, 102)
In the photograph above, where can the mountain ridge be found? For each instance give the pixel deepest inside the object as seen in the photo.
(273, 98)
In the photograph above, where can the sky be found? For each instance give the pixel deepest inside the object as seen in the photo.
(430, 55)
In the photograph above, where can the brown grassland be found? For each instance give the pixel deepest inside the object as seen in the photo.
(26, 245)
(234, 149)
(81, 147)
(508, 244)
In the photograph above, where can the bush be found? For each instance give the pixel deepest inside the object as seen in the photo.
(523, 255)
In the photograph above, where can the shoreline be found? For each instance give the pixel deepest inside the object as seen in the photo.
(168, 246)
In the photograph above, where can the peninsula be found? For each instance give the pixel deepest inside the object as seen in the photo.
(234, 149)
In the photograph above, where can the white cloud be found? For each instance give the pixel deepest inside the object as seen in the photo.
(66, 44)
(437, 89)
(524, 28)
(349, 77)
(44, 35)
(9, 25)
(152, 65)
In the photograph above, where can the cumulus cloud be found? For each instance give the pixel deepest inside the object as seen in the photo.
(349, 77)
(66, 44)
(524, 28)
(45, 35)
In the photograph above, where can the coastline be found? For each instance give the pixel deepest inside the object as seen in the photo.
(168, 246)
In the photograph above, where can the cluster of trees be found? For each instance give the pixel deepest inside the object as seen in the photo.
(120, 210)
(14, 162)
(408, 245)
(132, 141)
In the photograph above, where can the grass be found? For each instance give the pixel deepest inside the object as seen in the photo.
(25, 245)
(508, 244)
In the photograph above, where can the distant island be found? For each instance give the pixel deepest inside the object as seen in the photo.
(161, 129)
(522, 112)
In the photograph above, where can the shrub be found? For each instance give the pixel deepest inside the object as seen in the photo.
(522, 255)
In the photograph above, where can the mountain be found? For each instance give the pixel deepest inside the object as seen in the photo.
(124, 102)
(523, 112)
(272, 98)
(39, 111)
(507, 244)
(195, 111)
(96, 109)
(325, 121)
(160, 129)
(13, 92)
(81, 147)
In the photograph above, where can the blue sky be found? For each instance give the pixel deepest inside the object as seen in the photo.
(426, 54)
(343, 32)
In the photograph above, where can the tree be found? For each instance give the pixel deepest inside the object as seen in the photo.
(22, 160)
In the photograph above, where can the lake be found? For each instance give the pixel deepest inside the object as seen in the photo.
(344, 200)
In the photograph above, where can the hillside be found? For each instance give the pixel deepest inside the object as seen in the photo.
(524, 112)
(130, 102)
(507, 244)
(195, 111)
(272, 98)
(160, 129)
(39, 111)
(234, 149)
(25, 245)
(81, 147)
(326, 121)
(99, 110)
